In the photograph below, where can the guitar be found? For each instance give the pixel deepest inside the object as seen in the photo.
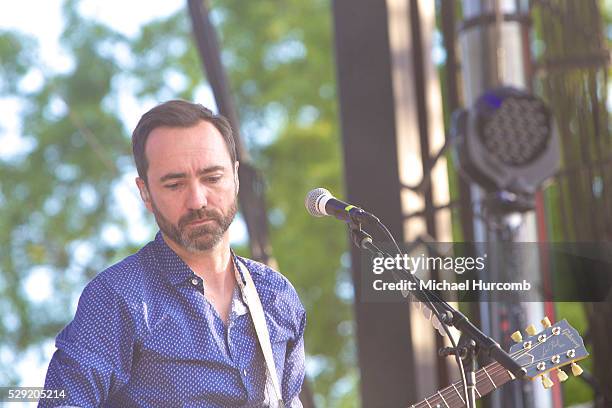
(541, 353)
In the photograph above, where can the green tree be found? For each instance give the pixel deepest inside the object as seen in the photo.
(57, 197)
(57, 194)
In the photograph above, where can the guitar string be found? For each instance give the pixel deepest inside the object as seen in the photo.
(498, 369)
(481, 375)
(493, 373)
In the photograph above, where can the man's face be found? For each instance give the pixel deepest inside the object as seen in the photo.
(192, 185)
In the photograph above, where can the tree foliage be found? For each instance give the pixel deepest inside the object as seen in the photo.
(57, 196)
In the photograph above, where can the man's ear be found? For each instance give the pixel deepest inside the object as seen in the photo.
(236, 178)
(144, 193)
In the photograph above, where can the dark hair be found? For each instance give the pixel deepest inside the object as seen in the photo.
(176, 113)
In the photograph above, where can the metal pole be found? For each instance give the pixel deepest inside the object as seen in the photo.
(251, 198)
(492, 54)
(367, 115)
(420, 84)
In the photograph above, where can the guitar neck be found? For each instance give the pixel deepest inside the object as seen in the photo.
(488, 379)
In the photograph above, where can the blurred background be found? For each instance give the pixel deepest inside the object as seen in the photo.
(354, 96)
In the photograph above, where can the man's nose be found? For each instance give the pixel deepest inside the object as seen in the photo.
(197, 197)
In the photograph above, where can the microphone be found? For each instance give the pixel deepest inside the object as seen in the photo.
(320, 202)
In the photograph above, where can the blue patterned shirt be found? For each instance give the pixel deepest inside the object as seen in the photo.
(144, 335)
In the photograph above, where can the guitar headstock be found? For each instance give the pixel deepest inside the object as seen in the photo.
(556, 346)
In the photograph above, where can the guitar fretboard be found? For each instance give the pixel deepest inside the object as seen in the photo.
(488, 379)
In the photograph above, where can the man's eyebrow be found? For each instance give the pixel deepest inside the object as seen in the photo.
(201, 172)
(210, 169)
(171, 176)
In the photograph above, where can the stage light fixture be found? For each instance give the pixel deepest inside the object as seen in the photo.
(507, 142)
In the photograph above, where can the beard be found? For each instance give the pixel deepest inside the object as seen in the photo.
(197, 238)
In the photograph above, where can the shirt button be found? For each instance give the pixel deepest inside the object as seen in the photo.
(244, 372)
(194, 281)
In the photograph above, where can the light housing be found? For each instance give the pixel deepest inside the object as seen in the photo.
(507, 142)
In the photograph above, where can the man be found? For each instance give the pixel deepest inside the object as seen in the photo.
(168, 326)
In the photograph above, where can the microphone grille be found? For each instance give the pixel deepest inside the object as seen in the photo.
(312, 201)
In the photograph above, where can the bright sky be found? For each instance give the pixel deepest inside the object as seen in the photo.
(43, 20)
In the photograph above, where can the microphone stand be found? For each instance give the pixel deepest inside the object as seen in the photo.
(449, 316)
(362, 239)
(467, 350)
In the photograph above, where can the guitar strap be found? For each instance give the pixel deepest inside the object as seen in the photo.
(251, 297)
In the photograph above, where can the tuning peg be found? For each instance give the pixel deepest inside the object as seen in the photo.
(576, 370)
(546, 382)
(546, 322)
(517, 337)
(561, 375)
(531, 330)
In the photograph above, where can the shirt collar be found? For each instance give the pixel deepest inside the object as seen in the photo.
(172, 266)
(177, 271)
